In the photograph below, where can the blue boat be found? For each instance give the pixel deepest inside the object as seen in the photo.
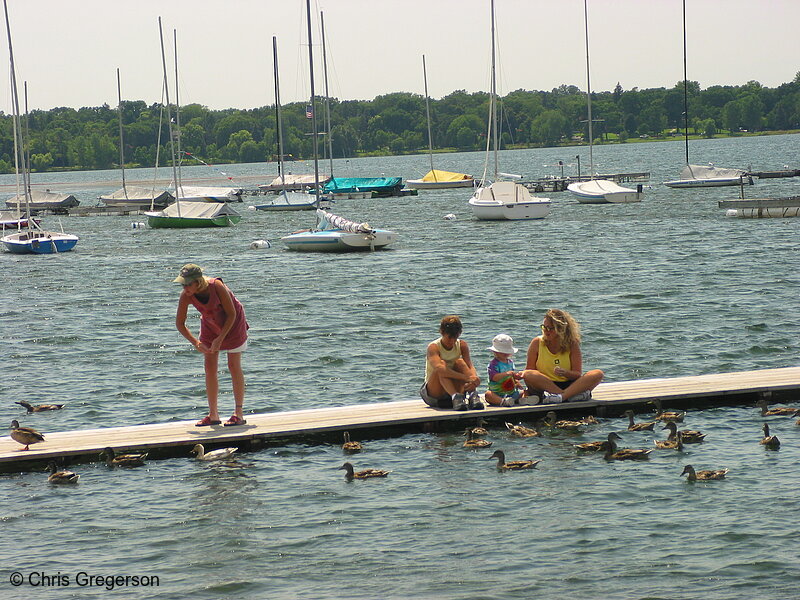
(39, 242)
(378, 186)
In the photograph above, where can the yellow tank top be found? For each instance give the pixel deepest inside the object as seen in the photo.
(546, 362)
(448, 356)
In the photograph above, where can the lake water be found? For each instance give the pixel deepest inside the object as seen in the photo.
(667, 287)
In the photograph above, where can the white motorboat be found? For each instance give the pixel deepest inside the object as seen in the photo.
(603, 191)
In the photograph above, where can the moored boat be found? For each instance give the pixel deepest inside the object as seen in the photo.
(439, 180)
(183, 214)
(603, 191)
(337, 234)
(36, 200)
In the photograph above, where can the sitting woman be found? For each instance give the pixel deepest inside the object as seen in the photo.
(554, 367)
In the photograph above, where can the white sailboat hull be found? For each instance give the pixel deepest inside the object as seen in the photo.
(507, 201)
(713, 182)
(603, 191)
(338, 240)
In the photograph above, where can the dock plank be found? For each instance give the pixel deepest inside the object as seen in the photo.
(299, 424)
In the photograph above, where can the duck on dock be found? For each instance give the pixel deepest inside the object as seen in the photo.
(665, 415)
(781, 411)
(710, 475)
(38, 407)
(612, 453)
(473, 442)
(220, 454)
(520, 430)
(25, 435)
(514, 465)
(689, 436)
(123, 460)
(770, 441)
(59, 476)
(633, 426)
(350, 447)
(669, 443)
(597, 446)
(551, 420)
(351, 473)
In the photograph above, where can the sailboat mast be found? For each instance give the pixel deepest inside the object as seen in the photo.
(278, 111)
(493, 99)
(327, 96)
(427, 111)
(121, 146)
(169, 119)
(313, 107)
(177, 109)
(685, 90)
(15, 106)
(588, 88)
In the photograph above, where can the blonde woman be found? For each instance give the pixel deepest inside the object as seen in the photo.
(554, 367)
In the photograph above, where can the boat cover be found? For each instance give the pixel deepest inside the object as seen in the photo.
(198, 210)
(337, 222)
(299, 179)
(43, 200)
(709, 172)
(133, 192)
(364, 184)
(209, 192)
(437, 175)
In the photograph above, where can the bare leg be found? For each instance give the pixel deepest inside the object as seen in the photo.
(538, 381)
(211, 364)
(493, 398)
(440, 385)
(237, 378)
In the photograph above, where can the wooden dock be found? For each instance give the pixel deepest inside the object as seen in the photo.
(325, 425)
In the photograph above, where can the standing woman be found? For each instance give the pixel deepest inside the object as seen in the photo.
(555, 364)
(223, 327)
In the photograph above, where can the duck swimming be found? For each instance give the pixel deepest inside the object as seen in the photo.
(664, 415)
(612, 453)
(39, 407)
(522, 431)
(480, 428)
(123, 460)
(596, 446)
(633, 426)
(781, 411)
(514, 465)
(770, 441)
(703, 475)
(25, 435)
(220, 454)
(473, 442)
(351, 473)
(669, 443)
(551, 420)
(57, 476)
(689, 436)
(350, 447)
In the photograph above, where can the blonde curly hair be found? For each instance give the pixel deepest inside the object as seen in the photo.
(567, 328)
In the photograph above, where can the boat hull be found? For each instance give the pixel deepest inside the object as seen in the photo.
(507, 201)
(714, 182)
(603, 191)
(160, 222)
(39, 242)
(338, 240)
(419, 184)
(288, 201)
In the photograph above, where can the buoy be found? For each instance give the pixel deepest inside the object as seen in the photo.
(450, 217)
(251, 207)
(138, 225)
(259, 244)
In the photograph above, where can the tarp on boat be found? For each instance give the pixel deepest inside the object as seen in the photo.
(381, 185)
(46, 200)
(199, 210)
(337, 222)
(136, 194)
(294, 182)
(210, 194)
(437, 175)
(709, 172)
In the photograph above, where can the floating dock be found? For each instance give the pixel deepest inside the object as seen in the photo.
(761, 208)
(325, 425)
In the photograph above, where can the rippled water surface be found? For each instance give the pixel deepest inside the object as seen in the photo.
(663, 288)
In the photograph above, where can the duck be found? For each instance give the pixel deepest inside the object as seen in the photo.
(123, 460)
(220, 454)
(473, 442)
(664, 415)
(589, 420)
(670, 443)
(612, 453)
(39, 407)
(522, 431)
(596, 446)
(480, 428)
(703, 475)
(351, 447)
(25, 435)
(551, 420)
(690, 436)
(781, 411)
(632, 426)
(514, 465)
(57, 476)
(770, 441)
(351, 473)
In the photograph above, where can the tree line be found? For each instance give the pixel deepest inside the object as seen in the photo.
(88, 138)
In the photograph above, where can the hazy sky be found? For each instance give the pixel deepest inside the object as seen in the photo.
(68, 51)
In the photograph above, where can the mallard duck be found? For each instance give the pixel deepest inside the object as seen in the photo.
(690, 436)
(473, 442)
(123, 460)
(480, 428)
(633, 426)
(781, 411)
(551, 420)
(514, 465)
(57, 476)
(589, 420)
(703, 475)
(25, 435)
(522, 431)
(351, 474)
(350, 447)
(220, 454)
(596, 446)
(612, 453)
(670, 443)
(663, 415)
(770, 441)
(39, 407)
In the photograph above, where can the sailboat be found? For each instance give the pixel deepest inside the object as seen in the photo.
(35, 240)
(598, 191)
(436, 179)
(186, 211)
(284, 199)
(503, 200)
(693, 176)
(332, 233)
(133, 197)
